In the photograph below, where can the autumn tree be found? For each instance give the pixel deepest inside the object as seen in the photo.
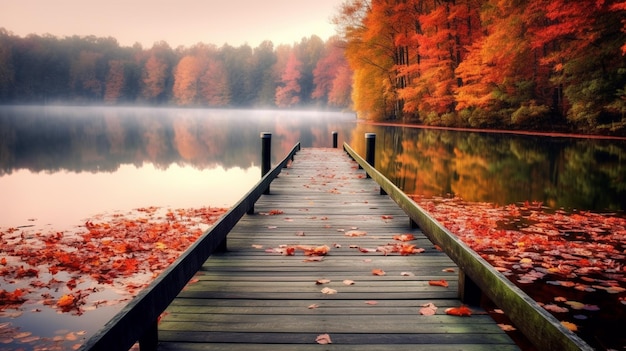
(288, 92)
(115, 81)
(435, 36)
(332, 75)
(370, 52)
(499, 72)
(84, 77)
(214, 84)
(341, 89)
(186, 78)
(308, 52)
(157, 72)
(237, 63)
(579, 44)
(262, 72)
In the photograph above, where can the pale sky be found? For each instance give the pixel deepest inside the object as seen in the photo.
(178, 22)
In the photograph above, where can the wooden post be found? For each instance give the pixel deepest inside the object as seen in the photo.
(370, 149)
(469, 292)
(266, 156)
(334, 139)
(150, 339)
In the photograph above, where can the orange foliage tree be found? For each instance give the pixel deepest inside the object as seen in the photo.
(488, 62)
(186, 76)
(287, 94)
(332, 76)
(156, 72)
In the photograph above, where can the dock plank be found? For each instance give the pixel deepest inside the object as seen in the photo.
(253, 298)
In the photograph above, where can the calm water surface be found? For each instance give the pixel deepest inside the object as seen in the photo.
(60, 166)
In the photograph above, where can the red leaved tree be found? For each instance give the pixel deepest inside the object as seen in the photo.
(288, 92)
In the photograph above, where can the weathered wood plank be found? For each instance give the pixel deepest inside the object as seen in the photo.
(249, 298)
(289, 346)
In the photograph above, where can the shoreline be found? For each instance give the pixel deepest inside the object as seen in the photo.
(501, 131)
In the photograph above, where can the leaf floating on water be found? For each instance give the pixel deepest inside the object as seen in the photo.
(348, 282)
(22, 335)
(555, 308)
(575, 305)
(66, 300)
(322, 281)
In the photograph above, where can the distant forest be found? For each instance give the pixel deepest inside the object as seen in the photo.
(528, 64)
(81, 70)
(515, 64)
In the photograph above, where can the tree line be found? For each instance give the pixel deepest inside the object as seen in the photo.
(48, 69)
(488, 63)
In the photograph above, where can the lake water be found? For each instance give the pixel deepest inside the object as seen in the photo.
(60, 166)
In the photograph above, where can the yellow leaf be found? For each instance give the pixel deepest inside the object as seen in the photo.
(571, 326)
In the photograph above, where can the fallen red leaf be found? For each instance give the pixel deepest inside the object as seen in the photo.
(441, 282)
(462, 311)
(378, 271)
(355, 233)
(323, 339)
(404, 237)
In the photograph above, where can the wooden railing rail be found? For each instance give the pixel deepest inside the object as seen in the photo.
(537, 324)
(137, 321)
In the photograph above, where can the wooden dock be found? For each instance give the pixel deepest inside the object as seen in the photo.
(253, 297)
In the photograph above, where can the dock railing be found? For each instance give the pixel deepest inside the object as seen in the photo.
(137, 321)
(476, 275)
